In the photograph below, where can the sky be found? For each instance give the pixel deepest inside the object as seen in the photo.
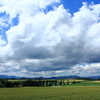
(49, 38)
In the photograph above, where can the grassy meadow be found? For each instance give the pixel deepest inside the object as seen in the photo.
(85, 83)
(81, 90)
(51, 93)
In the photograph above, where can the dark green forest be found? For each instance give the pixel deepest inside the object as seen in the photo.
(30, 82)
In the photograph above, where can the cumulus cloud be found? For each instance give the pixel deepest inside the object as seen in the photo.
(45, 44)
(86, 69)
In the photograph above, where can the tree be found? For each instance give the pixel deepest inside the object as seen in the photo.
(68, 82)
(74, 82)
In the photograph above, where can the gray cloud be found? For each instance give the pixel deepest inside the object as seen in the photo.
(52, 43)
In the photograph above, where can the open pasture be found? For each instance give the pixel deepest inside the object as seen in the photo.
(87, 83)
(51, 93)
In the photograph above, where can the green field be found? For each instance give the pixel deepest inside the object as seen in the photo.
(81, 90)
(51, 93)
(87, 83)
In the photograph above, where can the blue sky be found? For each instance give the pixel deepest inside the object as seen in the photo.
(49, 38)
(74, 5)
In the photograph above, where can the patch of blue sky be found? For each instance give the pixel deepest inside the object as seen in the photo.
(2, 14)
(3, 33)
(15, 21)
(3, 29)
(74, 5)
(83, 64)
(90, 1)
(50, 7)
(4, 18)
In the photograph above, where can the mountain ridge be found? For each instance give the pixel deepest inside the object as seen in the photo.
(54, 77)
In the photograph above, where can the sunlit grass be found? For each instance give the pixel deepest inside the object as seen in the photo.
(51, 93)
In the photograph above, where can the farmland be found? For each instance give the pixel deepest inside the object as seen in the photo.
(47, 82)
(51, 93)
(75, 90)
(84, 83)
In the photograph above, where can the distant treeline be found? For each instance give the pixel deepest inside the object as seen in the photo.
(30, 82)
(37, 82)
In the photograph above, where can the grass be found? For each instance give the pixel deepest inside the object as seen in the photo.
(51, 93)
(85, 90)
(88, 83)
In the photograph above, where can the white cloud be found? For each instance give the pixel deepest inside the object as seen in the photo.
(49, 43)
(86, 70)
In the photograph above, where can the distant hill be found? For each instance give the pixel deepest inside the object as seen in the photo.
(93, 77)
(56, 77)
(64, 77)
(5, 76)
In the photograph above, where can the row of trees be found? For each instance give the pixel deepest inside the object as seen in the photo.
(30, 82)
